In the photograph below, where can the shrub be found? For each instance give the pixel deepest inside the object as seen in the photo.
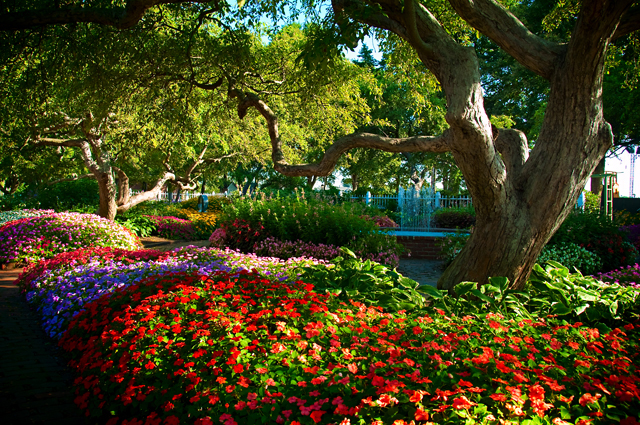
(6, 216)
(381, 221)
(35, 238)
(597, 234)
(307, 220)
(243, 235)
(572, 256)
(217, 238)
(591, 202)
(78, 195)
(453, 218)
(450, 246)
(173, 227)
(272, 247)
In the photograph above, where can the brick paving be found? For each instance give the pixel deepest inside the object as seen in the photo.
(35, 384)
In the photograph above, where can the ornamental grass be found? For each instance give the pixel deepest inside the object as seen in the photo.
(34, 238)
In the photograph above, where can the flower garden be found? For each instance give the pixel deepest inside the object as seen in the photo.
(321, 335)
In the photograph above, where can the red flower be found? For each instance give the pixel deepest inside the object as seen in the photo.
(238, 368)
(587, 398)
(498, 397)
(317, 415)
(421, 415)
(462, 402)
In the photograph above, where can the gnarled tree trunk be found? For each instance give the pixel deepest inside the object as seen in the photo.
(520, 198)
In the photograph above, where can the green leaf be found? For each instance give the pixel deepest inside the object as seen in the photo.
(501, 282)
(560, 309)
(580, 309)
(464, 287)
(482, 296)
(433, 292)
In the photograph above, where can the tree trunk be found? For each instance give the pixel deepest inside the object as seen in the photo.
(107, 189)
(596, 182)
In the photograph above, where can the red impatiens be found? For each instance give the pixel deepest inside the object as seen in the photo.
(238, 349)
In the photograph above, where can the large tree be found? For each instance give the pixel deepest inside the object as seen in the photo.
(521, 197)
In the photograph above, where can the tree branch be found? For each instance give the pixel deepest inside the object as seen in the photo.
(331, 156)
(513, 146)
(82, 144)
(629, 23)
(71, 179)
(503, 28)
(118, 17)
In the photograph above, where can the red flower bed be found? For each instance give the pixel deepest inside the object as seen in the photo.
(192, 349)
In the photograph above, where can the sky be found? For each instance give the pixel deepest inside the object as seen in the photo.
(622, 166)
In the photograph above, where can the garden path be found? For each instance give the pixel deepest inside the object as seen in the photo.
(35, 384)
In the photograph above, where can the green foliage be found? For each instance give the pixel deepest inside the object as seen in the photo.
(189, 204)
(599, 235)
(551, 290)
(450, 246)
(78, 195)
(158, 208)
(350, 278)
(591, 202)
(139, 224)
(454, 218)
(572, 256)
(581, 298)
(218, 203)
(310, 220)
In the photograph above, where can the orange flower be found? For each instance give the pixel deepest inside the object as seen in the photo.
(421, 415)
(462, 402)
(587, 398)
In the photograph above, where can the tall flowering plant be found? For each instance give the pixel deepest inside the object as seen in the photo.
(34, 238)
(185, 348)
(173, 227)
(242, 234)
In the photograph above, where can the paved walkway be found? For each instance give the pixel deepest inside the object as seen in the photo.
(36, 385)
